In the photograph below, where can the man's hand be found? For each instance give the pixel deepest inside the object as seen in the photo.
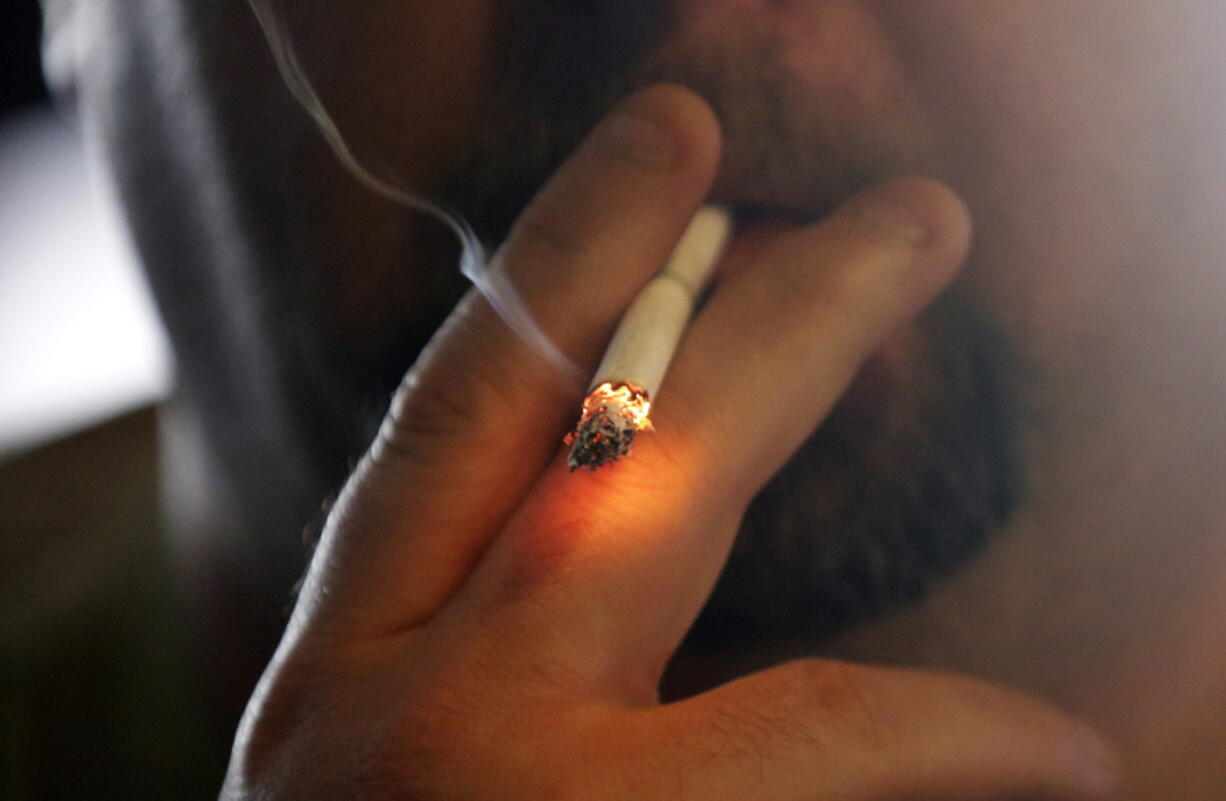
(480, 623)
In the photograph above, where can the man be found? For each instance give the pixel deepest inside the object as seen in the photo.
(477, 622)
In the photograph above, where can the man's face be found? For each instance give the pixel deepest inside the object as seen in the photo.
(1017, 105)
(1044, 115)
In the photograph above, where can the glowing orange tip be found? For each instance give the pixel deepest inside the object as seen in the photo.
(612, 414)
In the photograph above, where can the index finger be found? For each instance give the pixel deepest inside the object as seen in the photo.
(480, 413)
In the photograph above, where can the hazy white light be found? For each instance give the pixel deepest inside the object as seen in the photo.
(79, 338)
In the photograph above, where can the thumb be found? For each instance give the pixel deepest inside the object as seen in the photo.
(819, 729)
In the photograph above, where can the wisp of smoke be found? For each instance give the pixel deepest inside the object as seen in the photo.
(474, 262)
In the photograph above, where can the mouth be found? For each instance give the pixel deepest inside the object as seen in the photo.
(803, 90)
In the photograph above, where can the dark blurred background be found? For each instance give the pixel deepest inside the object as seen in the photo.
(22, 83)
(96, 698)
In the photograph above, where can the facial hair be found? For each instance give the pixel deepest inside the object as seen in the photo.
(919, 464)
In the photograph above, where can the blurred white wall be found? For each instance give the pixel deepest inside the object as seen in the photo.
(79, 338)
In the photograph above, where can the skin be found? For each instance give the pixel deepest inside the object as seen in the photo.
(1085, 141)
(523, 646)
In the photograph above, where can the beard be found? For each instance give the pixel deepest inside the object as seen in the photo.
(919, 464)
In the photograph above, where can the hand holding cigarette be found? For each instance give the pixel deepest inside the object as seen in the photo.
(495, 628)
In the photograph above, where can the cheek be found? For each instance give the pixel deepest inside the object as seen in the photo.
(1047, 131)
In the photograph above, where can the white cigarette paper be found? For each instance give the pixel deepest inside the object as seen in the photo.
(629, 376)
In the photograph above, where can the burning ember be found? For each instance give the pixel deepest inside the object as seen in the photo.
(612, 415)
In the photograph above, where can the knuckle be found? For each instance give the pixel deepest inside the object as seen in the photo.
(440, 406)
(542, 236)
(425, 411)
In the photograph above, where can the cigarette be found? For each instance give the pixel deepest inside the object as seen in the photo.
(618, 404)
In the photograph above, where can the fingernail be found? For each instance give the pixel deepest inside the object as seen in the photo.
(632, 136)
(894, 217)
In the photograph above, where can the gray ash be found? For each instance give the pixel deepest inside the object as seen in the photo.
(600, 438)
